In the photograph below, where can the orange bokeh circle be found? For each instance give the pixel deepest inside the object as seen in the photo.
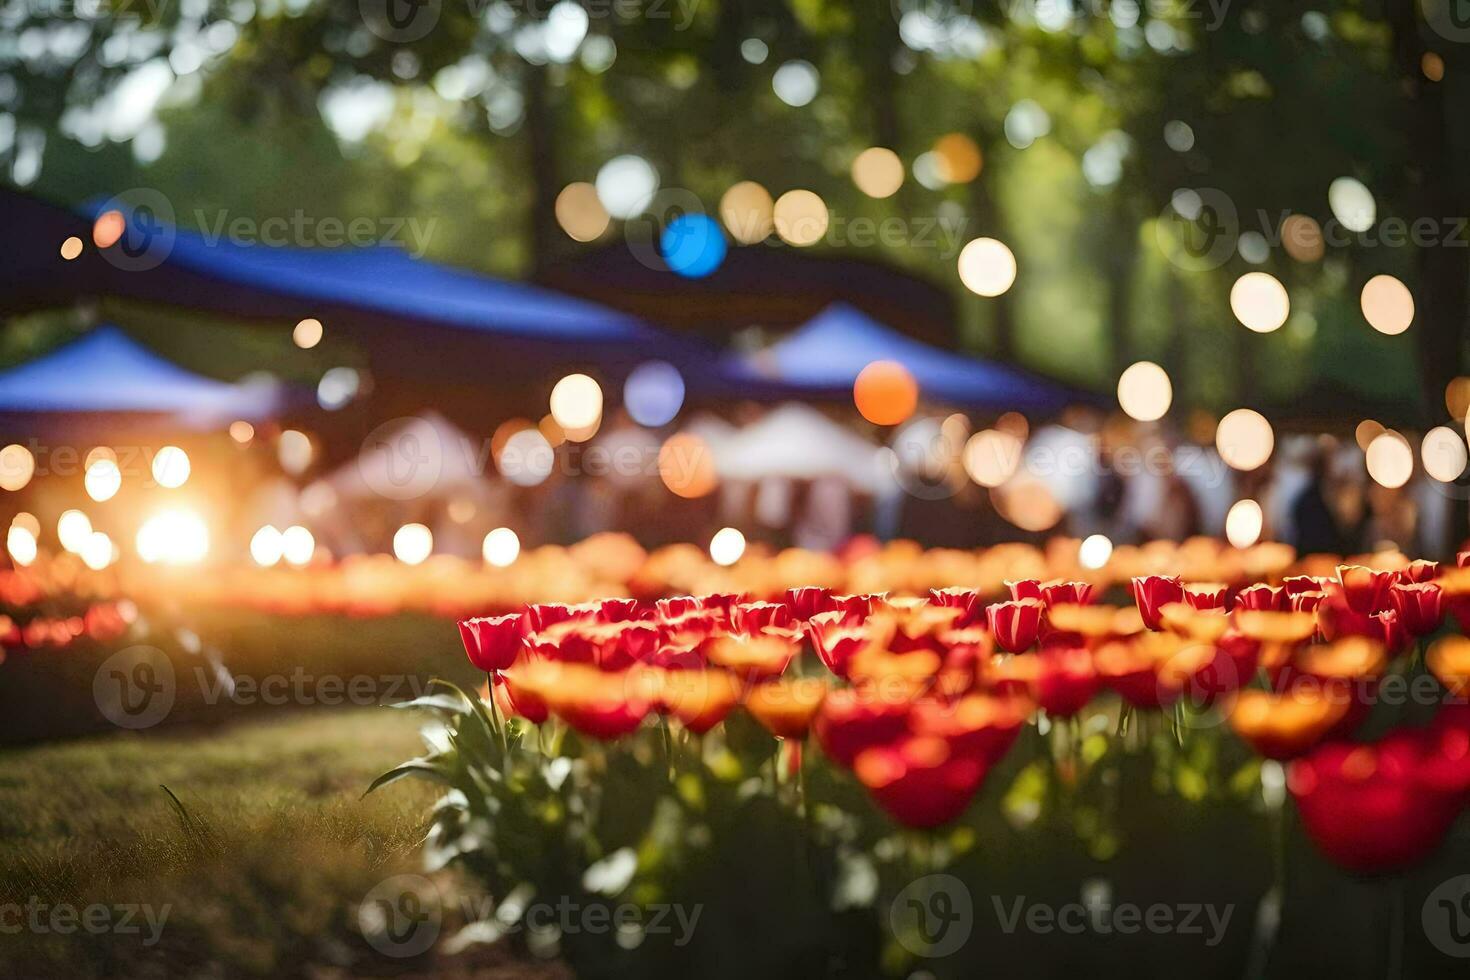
(885, 393)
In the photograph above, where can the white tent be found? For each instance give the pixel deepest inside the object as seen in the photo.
(799, 443)
(420, 456)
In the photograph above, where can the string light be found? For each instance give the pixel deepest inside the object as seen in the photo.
(726, 547)
(1144, 391)
(501, 547)
(412, 543)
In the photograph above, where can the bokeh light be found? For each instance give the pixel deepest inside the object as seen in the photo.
(576, 402)
(1387, 304)
(692, 245)
(171, 467)
(20, 541)
(338, 386)
(72, 529)
(987, 267)
(71, 248)
(877, 172)
(1365, 432)
(1443, 454)
(266, 546)
(1259, 301)
(687, 466)
(17, 466)
(1457, 397)
(1390, 460)
(726, 547)
(1094, 551)
(1244, 439)
(992, 456)
(103, 479)
(579, 212)
(307, 333)
(1243, 523)
(108, 228)
(1144, 391)
(748, 212)
(653, 393)
(526, 458)
(173, 537)
(1301, 236)
(294, 451)
(1352, 204)
(242, 431)
(1027, 502)
(885, 393)
(412, 543)
(626, 185)
(796, 83)
(501, 547)
(297, 545)
(957, 158)
(800, 217)
(98, 551)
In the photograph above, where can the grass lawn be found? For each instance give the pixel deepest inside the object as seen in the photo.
(260, 874)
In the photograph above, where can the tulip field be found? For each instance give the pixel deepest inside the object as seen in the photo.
(1255, 764)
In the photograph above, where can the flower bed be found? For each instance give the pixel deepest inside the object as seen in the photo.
(795, 767)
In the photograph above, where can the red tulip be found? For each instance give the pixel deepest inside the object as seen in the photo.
(852, 719)
(1261, 596)
(967, 601)
(1419, 571)
(1373, 808)
(1066, 681)
(835, 642)
(521, 700)
(1066, 593)
(1206, 595)
(856, 608)
(1303, 583)
(1365, 589)
(673, 607)
(618, 610)
(492, 642)
(806, 602)
(979, 726)
(1154, 592)
(920, 781)
(752, 617)
(1026, 588)
(541, 615)
(1015, 624)
(1420, 606)
(1305, 601)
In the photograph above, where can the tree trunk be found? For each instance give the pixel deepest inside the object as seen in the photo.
(544, 172)
(1436, 192)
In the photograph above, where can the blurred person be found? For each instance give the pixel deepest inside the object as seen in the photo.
(1315, 527)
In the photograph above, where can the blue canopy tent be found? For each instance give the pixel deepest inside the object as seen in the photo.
(416, 318)
(824, 357)
(105, 374)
